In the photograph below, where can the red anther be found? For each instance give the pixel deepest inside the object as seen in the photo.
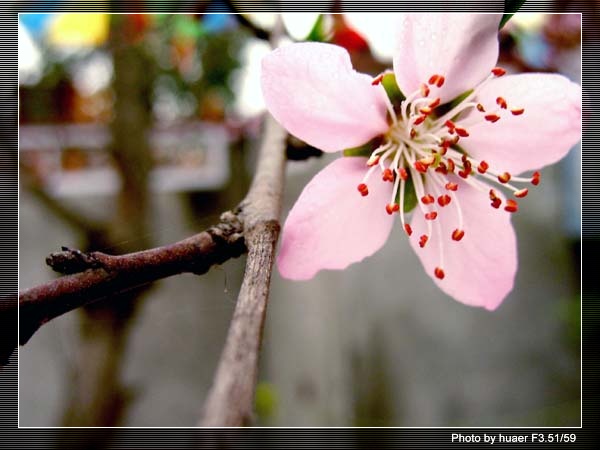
(433, 79)
(439, 272)
(493, 194)
(430, 215)
(444, 199)
(501, 103)
(408, 229)
(483, 167)
(511, 206)
(450, 124)
(451, 166)
(373, 160)
(504, 177)
(492, 117)
(451, 186)
(457, 234)
(390, 208)
(423, 240)
(498, 71)
(535, 179)
(420, 166)
(377, 79)
(424, 90)
(388, 175)
(463, 158)
(426, 110)
(463, 174)
(435, 103)
(521, 193)
(445, 144)
(419, 120)
(461, 132)
(427, 199)
(440, 81)
(428, 160)
(443, 150)
(396, 207)
(496, 203)
(403, 173)
(363, 189)
(480, 107)
(455, 140)
(517, 111)
(441, 168)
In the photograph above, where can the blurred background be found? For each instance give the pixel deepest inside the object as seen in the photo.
(139, 130)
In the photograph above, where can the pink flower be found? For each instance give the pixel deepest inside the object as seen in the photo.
(460, 162)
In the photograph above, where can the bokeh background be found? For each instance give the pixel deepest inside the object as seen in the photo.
(139, 130)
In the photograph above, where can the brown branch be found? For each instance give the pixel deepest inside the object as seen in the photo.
(230, 400)
(102, 275)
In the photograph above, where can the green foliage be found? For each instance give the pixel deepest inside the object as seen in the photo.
(391, 89)
(318, 32)
(410, 196)
(265, 400)
(364, 150)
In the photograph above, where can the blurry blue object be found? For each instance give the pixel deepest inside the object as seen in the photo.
(533, 49)
(36, 24)
(214, 23)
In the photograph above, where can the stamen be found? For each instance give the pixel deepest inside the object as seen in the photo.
(378, 79)
(501, 103)
(363, 189)
(427, 199)
(492, 118)
(423, 240)
(480, 108)
(403, 173)
(391, 208)
(444, 200)
(511, 206)
(517, 111)
(504, 177)
(419, 120)
(373, 160)
(439, 273)
(435, 103)
(408, 229)
(483, 167)
(424, 90)
(388, 175)
(451, 186)
(438, 80)
(535, 179)
(461, 132)
(521, 193)
(431, 215)
(457, 234)
(498, 71)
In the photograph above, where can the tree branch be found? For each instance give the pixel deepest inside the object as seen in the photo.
(101, 275)
(230, 400)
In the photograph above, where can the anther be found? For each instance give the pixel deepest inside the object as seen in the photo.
(461, 132)
(451, 186)
(438, 80)
(521, 193)
(504, 177)
(441, 168)
(408, 229)
(535, 179)
(391, 208)
(420, 166)
(498, 71)
(424, 90)
(483, 167)
(480, 107)
(403, 173)
(377, 79)
(450, 124)
(363, 189)
(388, 175)
(425, 110)
(419, 120)
(501, 103)
(435, 103)
(413, 133)
(431, 215)
(457, 234)
(443, 200)
(451, 166)
(427, 199)
(511, 206)
(496, 203)
(374, 159)
(423, 240)
(517, 111)
(439, 273)
(492, 118)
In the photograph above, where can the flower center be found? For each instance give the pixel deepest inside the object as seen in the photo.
(422, 148)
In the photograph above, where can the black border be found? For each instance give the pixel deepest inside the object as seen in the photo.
(12, 437)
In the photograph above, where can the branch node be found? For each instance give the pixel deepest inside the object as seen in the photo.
(69, 261)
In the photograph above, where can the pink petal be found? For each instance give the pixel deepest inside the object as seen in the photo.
(313, 92)
(543, 134)
(461, 47)
(479, 269)
(331, 225)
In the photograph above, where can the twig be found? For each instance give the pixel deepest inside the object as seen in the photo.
(102, 275)
(230, 400)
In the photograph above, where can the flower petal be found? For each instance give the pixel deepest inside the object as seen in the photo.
(331, 225)
(480, 268)
(313, 92)
(543, 134)
(461, 47)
